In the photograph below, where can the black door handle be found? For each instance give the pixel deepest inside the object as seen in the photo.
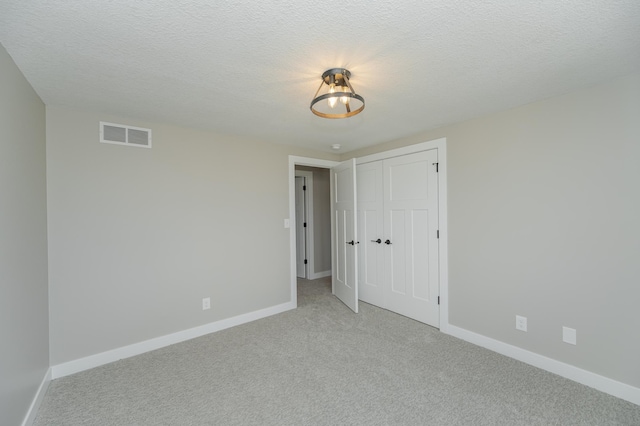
(387, 242)
(350, 242)
(377, 241)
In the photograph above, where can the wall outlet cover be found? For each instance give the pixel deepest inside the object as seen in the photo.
(206, 303)
(521, 323)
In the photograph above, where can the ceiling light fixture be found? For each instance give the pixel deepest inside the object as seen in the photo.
(339, 95)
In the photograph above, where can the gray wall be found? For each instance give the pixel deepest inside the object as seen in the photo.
(139, 236)
(321, 218)
(544, 208)
(24, 315)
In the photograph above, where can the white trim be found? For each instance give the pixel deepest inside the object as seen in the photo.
(308, 207)
(443, 225)
(107, 357)
(601, 383)
(311, 162)
(411, 149)
(332, 202)
(37, 399)
(293, 162)
(322, 274)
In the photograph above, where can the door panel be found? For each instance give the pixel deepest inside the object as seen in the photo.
(345, 276)
(411, 220)
(419, 250)
(341, 247)
(396, 251)
(403, 179)
(370, 230)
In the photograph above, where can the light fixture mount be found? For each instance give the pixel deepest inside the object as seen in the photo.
(339, 95)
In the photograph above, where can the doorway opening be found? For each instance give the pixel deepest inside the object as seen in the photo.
(316, 247)
(312, 222)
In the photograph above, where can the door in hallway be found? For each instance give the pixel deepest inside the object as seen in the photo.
(301, 228)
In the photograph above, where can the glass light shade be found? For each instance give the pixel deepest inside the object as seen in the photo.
(345, 99)
(332, 101)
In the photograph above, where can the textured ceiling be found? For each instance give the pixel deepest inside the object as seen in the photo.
(250, 68)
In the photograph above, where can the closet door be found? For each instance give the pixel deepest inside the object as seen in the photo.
(410, 241)
(370, 231)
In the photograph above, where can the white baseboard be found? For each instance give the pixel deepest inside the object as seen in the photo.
(601, 383)
(316, 275)
(37, 399)
(107, 357)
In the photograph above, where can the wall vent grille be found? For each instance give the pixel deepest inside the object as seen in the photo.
(120, 134)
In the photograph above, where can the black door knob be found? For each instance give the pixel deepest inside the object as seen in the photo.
(387, 242)
(350, 242)
(377, 241)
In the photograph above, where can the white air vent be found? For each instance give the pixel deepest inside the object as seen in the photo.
(125, 135)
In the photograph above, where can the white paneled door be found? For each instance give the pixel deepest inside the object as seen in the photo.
(345, 242)
(398, 223)
(301, 228)
(411, 240)
(371, 287)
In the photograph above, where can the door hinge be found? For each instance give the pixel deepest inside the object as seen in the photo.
(304, 225)
(437, 166)
(438, 296)
(304, 187)
(438, 233)
(305, 262)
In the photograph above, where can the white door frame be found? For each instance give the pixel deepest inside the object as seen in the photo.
(441, 145)
(293, 162)
(308, 209)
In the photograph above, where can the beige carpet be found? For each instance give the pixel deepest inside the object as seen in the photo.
(323, 365)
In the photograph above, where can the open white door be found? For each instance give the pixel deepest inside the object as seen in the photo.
(345, 242)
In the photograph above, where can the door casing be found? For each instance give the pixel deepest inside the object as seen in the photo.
(293, 162)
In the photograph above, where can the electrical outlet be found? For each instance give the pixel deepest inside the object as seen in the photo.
(206, 303)
(521, 323)
(569, 335)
